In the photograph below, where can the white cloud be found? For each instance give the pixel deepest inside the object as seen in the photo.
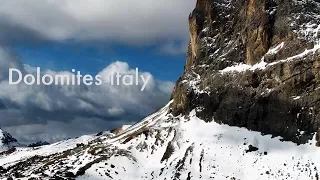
(7, 60)
(121, 21)
(98, 107)
(115, 111)
(174, 48)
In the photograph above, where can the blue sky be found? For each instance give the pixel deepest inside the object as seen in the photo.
(92, 37)
(90, 58)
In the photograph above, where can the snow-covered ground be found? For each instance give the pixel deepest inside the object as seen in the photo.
(23, 153)
(213, 151)
(166, 147)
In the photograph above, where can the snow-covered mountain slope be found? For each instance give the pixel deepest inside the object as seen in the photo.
(7, 141)
(166, 147)
(250, 64)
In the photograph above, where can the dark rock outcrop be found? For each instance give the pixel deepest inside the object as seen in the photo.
(38, 144)
(6, 138)
(276, 43)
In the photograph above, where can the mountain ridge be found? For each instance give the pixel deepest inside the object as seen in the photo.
(7, 141)
(246, 107)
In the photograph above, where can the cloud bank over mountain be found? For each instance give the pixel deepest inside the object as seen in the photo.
(121, 21)
(52, 113)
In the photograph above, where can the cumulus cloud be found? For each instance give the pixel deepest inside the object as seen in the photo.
(120, 21)
(52, 113)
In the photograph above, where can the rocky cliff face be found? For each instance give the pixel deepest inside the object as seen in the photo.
(254, 64)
